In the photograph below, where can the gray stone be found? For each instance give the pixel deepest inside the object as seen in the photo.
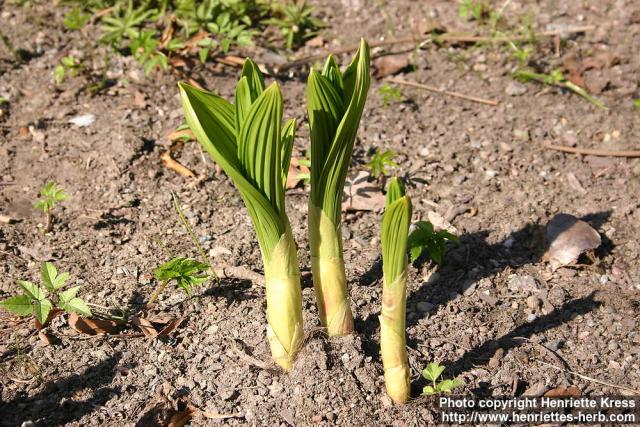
(515, 89)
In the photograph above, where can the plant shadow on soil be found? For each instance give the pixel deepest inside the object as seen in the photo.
(57, 401)
(488, 259)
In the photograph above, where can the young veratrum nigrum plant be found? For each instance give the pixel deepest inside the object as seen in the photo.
(335, 101)
(247, 139)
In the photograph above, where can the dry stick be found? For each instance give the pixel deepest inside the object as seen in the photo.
(462, 38)
(444, 92)
(620, 387)
(593, 152)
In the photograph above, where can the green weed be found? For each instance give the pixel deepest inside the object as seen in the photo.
(390, 94)
(424, 237)
(68, 67)
(432, 372)
(50, 195)
(380, 162)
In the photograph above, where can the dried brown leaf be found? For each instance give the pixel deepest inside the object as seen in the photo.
(92, 326)
(295, 170)
(390, 64)
(171, 326)
(564, 392)
(145, 326)
(175, 165)
(178, 134)
(47, 338)
(567, 238)
(180, 418)
(362, 195)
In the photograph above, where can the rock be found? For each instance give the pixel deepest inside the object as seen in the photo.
(515, 89)
(519, 283)
(533, 302)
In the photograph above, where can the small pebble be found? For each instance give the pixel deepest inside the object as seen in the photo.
(515, 89)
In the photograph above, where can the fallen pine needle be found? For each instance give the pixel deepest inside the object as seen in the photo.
(175, 165)
(592, 151)
(594, 380)
(444, 92)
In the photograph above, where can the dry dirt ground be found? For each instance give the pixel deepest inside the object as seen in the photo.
(487, 313)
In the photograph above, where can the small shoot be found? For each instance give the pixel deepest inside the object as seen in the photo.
(473, 9)
(39, 301)
(636, 103)
(50, 195)
(558, 79)
(393, 347)
(187, 272)
(381, 162)
(432, 373)
(390, 94)
(424, 237)
(68, 67)
(522, 55)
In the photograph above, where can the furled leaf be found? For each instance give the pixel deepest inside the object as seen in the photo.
(395, 231)
(433, 371)
(41, 309)
(335, 107)
(19, 304)
(31, 290)
(288, 135)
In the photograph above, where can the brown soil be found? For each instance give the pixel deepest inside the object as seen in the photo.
(486, 313)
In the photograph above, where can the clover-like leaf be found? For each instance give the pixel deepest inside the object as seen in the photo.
(446, 386)
(433, 371)
(32, 290)
(77, 305)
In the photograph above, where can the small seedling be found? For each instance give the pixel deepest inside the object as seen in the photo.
(35, 302)
(390, 94)
(295, 22)
(473, 9)
(75, 19)
(380, 162)
(51, 195)
(521, 54)
(557, 78)
(187, 272)
(425, 237)
(68, 67)
(636, 103)
(304, 176)
(432, 372)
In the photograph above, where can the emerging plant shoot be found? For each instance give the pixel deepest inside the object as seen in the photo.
(51, 194)
(395, 232)
(247, 141)
(335, 103)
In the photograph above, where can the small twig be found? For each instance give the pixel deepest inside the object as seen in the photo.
(231, 272)
(236, 346)
(444, 92)
(447, 37)
(156, 293)
(592, 151)
(584, 377)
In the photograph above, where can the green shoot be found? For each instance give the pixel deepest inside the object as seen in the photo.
(144, 48)
(557, 78)
(521, 55)
(636, 103)
(393, 348)
(69, 66)
(35, 300)
(473, 9)
(51, 195)
(425, 237)
(304, 176)
(380, 162)
(432, 373)
(248, 140)
(390, 94)
(187, 272)
(192, 234)
(335, 101)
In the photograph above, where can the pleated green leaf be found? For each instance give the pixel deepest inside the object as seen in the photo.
(395, 232)
(212, 120)
(249, 88)
(259, 145)
(288, 135)
(335, 98)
